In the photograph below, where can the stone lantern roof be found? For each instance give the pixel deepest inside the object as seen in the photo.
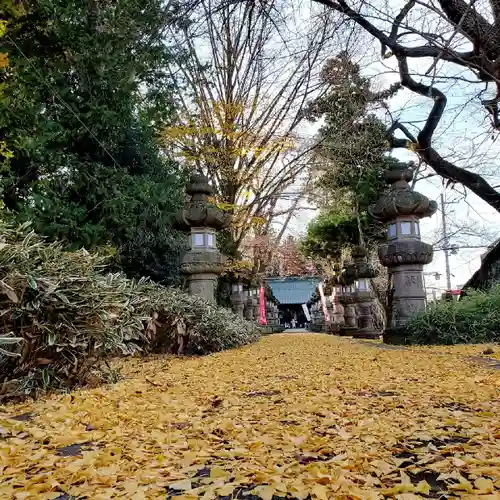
(199, 211)
(363, 268)
(401, 200)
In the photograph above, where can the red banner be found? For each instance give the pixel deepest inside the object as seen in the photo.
(262, 319)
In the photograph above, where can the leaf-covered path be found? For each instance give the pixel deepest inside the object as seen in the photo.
(292, 416)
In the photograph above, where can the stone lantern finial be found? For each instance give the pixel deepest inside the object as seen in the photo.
(405, 255)
(203, 262)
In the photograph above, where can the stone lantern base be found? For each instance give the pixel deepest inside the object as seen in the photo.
(365, 329)
(347, 331)
(366, 334)
(334, 328)
(395, 335)
(349, 328)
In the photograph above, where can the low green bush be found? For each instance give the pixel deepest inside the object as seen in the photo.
(474, 319)
(60, 314)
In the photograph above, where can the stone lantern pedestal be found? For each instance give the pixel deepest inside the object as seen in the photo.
(203, 263)
(404, 254)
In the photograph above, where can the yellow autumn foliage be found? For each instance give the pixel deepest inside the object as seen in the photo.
(217, 138)
(296, 415)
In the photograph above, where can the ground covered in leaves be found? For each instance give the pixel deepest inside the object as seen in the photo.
(294, 416)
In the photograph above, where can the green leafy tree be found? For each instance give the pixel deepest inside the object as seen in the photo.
(84, 92)
(348, 162)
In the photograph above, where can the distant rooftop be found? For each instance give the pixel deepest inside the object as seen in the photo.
(294, 289)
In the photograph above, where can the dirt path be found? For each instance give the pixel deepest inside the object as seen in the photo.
(292, 416)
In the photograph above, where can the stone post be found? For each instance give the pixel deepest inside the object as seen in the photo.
(364, 295)
(203, 262)
(237, 299)
(404, 254)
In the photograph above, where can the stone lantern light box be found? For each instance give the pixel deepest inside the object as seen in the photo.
(203, 238)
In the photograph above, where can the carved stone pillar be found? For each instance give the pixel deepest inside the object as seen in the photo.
(404, 254)
(364, 295)
(203, 262)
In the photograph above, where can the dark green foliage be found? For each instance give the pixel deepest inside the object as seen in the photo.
(62, 315)
(349, 160)
(474, 319)
(330, 232)
(84, 92)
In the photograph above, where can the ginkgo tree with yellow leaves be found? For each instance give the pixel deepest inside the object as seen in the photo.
(232, 156)
(243, 84)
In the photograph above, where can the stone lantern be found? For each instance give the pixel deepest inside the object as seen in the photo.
(404, 254)
(347, 279)
(256, 304)
(338, 308)
(203, 262)
(364, 295)
(249, 305)
(237, 299)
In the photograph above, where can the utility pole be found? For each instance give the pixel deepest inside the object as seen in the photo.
(446, 243)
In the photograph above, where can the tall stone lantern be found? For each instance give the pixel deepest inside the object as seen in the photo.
(404, 254)
(364, 295)
(203, 263)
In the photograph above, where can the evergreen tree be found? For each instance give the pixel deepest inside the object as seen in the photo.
(349, 161)
(83, 94)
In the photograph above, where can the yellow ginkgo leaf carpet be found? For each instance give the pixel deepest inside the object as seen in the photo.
(294, 416)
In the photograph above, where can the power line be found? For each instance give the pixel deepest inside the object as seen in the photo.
(446, 242)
